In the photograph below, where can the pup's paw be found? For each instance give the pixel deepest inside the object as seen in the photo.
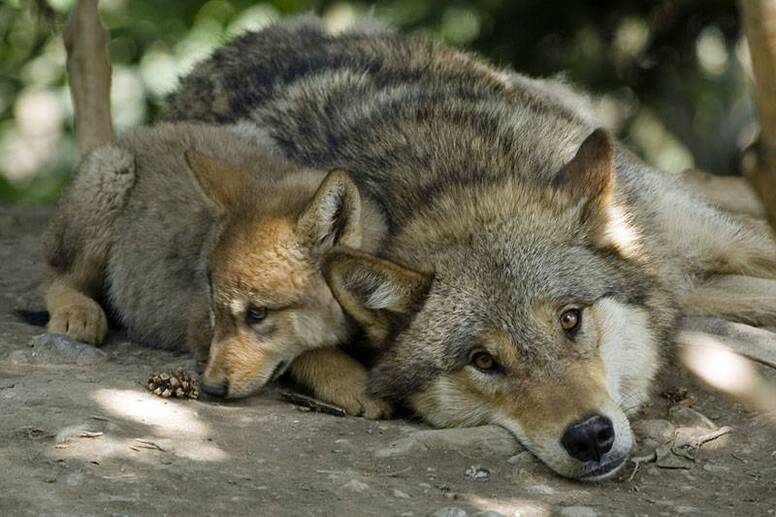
(83, 321)
(348, 391)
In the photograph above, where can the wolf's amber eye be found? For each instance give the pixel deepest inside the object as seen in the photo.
(254, 314)
(570, 321)
(484, 361)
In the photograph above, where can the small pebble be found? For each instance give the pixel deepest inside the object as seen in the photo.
(400, 494)
(476, 473)
(542, 489)
(355, 485)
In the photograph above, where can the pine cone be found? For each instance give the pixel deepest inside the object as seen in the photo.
(176, 384)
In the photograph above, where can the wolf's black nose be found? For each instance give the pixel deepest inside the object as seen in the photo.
(589, 439)
(216, 389)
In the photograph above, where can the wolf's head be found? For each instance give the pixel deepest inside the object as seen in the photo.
(269, 301)
(541, 314)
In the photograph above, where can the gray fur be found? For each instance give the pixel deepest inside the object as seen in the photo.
(462, 158)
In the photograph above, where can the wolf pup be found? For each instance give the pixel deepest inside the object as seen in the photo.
(533, 268)
(189, 250)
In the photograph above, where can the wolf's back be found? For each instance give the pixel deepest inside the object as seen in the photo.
(409, 117)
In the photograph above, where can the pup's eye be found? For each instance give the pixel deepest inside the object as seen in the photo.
(483, 361)
(570, 320)
(254, 314)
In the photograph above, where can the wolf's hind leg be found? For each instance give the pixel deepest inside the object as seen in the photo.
(739, 298)
(731, 193)
(336, 378)
(79, 240)
(751, 249)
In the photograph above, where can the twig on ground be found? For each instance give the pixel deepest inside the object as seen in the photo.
(395, 473)
(638, 460)
(713, 435)
(90, 434)
(313, 404)
(146, 444)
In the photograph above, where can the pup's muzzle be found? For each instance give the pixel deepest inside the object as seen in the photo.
(216, 389)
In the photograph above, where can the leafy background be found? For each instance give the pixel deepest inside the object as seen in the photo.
(672, 76)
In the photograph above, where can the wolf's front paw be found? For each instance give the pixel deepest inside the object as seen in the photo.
(83, 321)
(349, 393)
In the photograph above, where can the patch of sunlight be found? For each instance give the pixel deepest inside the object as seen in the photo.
(614, 109)
(62, 6)
(340, 16)
(219, 10)
(460, 25)
(48, 67)
(660, 147)
(176, 428)
(157, 69)
(719, 366)
(33, 141)
(252, 19)
(114, 6)
(168, 416)
(711, 51)
(127, 98)
(512, 506)
(743, 56)
(625, 236)
(630, 38)
(203, 38)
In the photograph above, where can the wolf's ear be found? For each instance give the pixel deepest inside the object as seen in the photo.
(373, 290)
(587, 183)
(589, 176)
(223, 186)
(333, 217)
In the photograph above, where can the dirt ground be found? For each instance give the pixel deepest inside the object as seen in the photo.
(80, 435)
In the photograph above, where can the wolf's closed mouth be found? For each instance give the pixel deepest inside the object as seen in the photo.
(604, 468)
(278, 371)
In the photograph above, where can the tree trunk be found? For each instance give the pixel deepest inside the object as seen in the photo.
(759, 19)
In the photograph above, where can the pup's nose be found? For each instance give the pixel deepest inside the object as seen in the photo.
(589, 439)
(216, 389)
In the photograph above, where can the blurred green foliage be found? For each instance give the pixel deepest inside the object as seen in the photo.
(670, 76)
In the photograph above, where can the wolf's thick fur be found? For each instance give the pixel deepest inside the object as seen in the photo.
(507, 215)
(181, 228)
(494, 228)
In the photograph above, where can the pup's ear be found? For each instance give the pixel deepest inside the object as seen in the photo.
(333, 217)
(587, 181)
(223, 186)
(374, 291)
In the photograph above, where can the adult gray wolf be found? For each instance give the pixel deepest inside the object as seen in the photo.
(533, 267)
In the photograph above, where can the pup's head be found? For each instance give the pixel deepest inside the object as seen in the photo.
(269, 301)
(539, 319)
